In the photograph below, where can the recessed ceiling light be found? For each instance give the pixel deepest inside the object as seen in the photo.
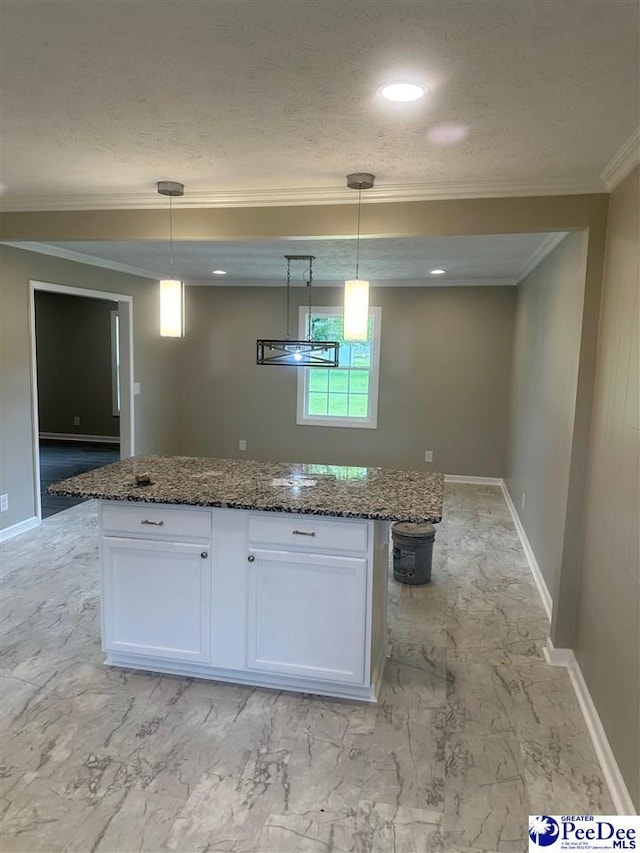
(402, 92)
(218, 272)
(438, 272)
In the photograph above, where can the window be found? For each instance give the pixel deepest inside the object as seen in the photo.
(347, 395)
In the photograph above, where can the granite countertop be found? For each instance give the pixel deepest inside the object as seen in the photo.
(333, 490)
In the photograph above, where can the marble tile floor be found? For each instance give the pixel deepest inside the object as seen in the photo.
(472, 733)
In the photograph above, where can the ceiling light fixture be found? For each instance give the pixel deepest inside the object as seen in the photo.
(356, 292)
(403, 92)
(438, 272)
(218, 272)
(307, 353)
(171, 289)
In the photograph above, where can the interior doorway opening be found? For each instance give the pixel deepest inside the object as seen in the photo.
(81, 385)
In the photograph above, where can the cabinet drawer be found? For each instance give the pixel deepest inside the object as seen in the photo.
(155, 521)
(308, 532)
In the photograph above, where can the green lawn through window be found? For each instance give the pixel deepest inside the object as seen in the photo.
(341, 392)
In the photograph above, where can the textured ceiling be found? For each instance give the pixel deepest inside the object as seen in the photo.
(106, 98)
(497, 259)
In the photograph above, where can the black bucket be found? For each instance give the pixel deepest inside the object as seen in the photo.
(412, 552)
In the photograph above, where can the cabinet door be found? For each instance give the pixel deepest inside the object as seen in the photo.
(307, 615)
(156, 599)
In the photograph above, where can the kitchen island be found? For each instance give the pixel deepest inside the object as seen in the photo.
(269, 574)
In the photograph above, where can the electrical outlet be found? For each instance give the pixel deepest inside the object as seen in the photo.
(76, 420)
(4, 503)
(522, 501)
(242, 444)
(428, 456)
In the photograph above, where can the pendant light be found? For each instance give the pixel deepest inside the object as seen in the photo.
(307, 353)
(356, 291)
(171, 289)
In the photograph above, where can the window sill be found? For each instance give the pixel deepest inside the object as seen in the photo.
(349, 423)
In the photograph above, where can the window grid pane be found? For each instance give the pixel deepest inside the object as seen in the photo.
(358, 381)
(338, 405)
(318, 404)
(339, 381)
(318, 379)
(358, 405)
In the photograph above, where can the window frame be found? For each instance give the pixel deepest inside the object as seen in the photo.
(371, 421)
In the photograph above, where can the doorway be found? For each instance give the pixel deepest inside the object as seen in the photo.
(81, 350)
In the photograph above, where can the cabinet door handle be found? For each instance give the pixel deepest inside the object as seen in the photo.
(204, 555)
(303, 532)
(251, 558)
(155, 523)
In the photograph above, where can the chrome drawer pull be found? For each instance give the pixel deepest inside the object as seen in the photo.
(155, 523)
(303, 533)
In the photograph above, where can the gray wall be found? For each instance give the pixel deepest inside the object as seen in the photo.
(154, 361)
(73, 343)
(543, 397)
(607, 642)
(444, 380)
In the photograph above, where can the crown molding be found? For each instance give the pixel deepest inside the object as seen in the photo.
(431, 191)
(78, 257)
(623, 162)
(539, 253)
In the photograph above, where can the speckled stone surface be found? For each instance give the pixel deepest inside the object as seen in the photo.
(335, 490)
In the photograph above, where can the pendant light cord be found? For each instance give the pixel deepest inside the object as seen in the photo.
(171, 234)
(288, 307)
(309, 287)
(358, 237)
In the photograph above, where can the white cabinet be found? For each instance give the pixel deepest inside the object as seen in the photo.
(156, 599)
(274, 599)
(307, 615)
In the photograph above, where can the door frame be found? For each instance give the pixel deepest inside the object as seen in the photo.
(125, 310)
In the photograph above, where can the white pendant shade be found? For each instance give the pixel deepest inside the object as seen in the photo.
(171, 309)
(356, 310)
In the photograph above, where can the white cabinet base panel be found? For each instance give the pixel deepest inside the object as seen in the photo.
(254, 679)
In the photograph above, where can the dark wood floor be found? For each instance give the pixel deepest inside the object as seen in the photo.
(62, 459)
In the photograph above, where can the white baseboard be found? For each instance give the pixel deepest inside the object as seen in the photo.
(543, 590)
(69, 436)
(557, 657)
(20, 527)
(475, 481)
(613, 777)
